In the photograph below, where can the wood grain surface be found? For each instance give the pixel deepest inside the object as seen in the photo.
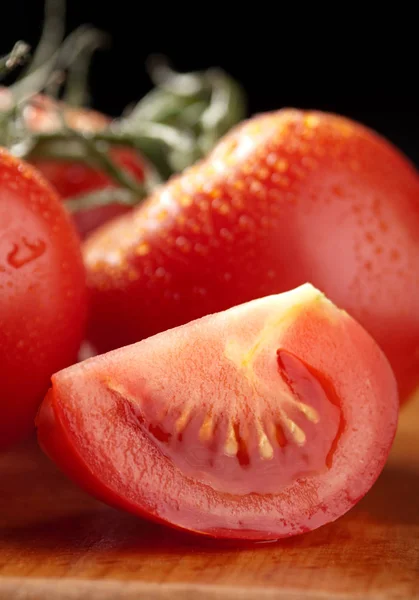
(57, 543)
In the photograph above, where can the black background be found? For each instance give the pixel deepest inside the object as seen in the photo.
(338, 59)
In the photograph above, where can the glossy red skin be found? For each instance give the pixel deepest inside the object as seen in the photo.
(43, 297)
(89, 431)
(285, 198)
(73, 179)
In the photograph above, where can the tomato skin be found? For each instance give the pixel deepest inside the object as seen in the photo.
(43, 297)
(285, 198)
(92, 433)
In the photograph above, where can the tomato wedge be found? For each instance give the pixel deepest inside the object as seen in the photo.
(264, 421)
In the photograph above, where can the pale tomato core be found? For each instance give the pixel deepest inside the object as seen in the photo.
(266, 429)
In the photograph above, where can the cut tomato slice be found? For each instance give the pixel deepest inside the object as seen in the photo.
(264, 421)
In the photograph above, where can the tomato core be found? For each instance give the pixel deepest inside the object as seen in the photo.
(257, 438)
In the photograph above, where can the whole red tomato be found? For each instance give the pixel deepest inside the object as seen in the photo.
(287, 197)
(264, 421)
(42, 293)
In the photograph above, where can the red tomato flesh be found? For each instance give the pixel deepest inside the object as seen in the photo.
(264, 421)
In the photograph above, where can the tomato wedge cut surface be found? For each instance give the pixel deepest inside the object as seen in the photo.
(264, 421)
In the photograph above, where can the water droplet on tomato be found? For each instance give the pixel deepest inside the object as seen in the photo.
(200, 249)
(143, 249)
(226, 234)
(25, 252)
(183, 243)
(246, 222)
(394, 254)
(200, 291)
(160, 272)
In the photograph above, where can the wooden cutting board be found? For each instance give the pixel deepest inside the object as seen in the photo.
(56, 542)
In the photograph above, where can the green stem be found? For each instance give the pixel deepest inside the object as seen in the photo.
(132, 134)
(225, 109)
(156, 142)
(171, 137)
(18, 55)
(53, 68)
(102, 198)
(179, 84)
(107, 164)
(52, 34)
(76, 87)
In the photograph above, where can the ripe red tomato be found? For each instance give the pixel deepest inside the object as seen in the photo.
(264, 421)
(285, 198)
(42, 294)
(75, 178)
